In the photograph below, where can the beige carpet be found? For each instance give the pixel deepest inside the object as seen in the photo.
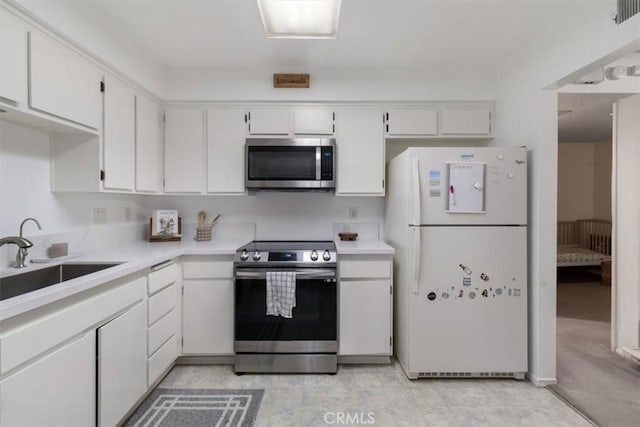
(601, 384)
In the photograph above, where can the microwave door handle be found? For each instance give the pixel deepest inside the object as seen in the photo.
(318, 164)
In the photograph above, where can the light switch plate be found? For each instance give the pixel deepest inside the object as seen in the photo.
(99, 216)
(353, 213)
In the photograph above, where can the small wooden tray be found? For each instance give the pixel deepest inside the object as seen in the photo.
(348, 236)
(168, 237)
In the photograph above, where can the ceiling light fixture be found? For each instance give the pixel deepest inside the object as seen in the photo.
(300, 19)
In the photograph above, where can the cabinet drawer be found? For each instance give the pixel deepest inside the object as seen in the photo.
(48, 331)
(374, 268)
(162, 278)
(161, 360)
(161, 303)
(161, 332)
(208, 270)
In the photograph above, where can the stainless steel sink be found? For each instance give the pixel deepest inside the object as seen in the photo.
(37, 279)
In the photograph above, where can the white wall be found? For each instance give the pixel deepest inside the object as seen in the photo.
(332, 85)
(25, 192)
(526, 114)
(280, 216)
(584, 180)
(602, 180)
(576, 179)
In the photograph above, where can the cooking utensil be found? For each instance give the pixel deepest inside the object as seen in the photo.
(213, 222)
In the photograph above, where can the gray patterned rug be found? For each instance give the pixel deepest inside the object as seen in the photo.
(171, 407)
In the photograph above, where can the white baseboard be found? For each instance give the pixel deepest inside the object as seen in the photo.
(541, 382)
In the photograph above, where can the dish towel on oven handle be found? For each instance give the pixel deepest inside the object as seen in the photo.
(281, 293)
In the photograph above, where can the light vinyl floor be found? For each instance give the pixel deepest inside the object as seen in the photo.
(382, 394)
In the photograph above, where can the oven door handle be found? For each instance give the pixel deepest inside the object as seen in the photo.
(300, 274)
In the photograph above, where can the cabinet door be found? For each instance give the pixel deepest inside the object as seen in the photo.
(183, 151)
(360, 152)
(207, 323)
(119, 132)
(269, 121)
(57, 390)
(122, 365)
(13, 58)
(365, 329)
(225, 150)
(148, 150)
(62, 82)
(412, 122)
(313, 121)
(465, 121)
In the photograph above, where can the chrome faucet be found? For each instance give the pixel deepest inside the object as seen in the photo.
(22, 243)
(21, 256)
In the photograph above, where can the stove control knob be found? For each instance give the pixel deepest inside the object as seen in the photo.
(256, 256)
(314, 256)
(244, 256)
(326, 256)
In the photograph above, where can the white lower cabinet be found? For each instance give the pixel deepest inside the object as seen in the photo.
(207, 306)
(122, 363)
(161, 342)
(208, 316)
(57, 390)
(365, 306)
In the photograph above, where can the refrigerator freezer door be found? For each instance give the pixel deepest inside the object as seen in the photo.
(501, 193)
(470, 315)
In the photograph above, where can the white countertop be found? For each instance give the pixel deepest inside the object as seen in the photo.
(136, 257)
(364, 247)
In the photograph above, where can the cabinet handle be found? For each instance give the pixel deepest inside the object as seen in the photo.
(162, 265)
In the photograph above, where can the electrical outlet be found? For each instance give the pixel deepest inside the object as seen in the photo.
(127, 213)
(99, 216)
(353, 213)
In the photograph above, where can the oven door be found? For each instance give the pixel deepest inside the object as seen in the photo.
(313, 327)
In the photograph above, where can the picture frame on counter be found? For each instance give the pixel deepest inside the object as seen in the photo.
(165, 225)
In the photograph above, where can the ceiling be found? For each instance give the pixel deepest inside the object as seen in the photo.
(585, 117)
(421, 34)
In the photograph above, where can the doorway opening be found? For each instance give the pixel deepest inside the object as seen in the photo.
(591, 375)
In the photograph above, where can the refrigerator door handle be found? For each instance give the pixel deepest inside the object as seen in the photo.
(417, 256)
(415, 188)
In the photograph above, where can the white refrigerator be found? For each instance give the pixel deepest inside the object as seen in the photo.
(457, 218)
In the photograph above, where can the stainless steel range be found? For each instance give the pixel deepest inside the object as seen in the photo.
(307, 340)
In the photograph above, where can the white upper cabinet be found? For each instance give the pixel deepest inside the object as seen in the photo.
(313, 121)
(119, 135)
(465, 121)
(268, 121)
(225, 150)
(148, 149)
(184, 151)
(13, 58)
(295, 121)
(411, 122)
(360, 152)
(62, 82)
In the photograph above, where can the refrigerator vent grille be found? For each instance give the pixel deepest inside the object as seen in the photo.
(466, 375)
(627, 9)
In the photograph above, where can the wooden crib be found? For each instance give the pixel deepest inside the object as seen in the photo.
(585, 242)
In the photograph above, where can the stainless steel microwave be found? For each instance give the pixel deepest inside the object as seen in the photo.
(290, 163)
